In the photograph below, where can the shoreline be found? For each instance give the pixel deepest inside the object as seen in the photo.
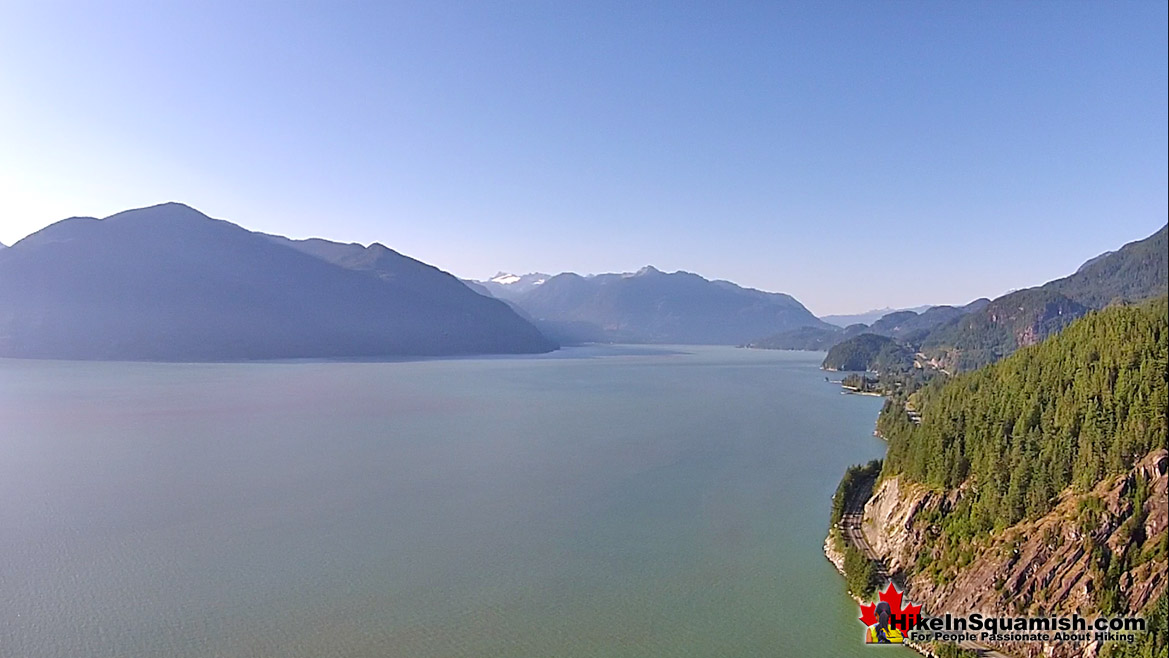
(837, 560)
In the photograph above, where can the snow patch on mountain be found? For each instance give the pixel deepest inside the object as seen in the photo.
(505, 279)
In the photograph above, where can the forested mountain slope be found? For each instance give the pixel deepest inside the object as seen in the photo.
(1037, 484)
(1082, 405)
(957, 340)
(869, 352)
(1137, 271)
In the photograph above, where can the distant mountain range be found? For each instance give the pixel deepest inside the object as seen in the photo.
(513, 286)
(169, 283)
(649, 306)
(868, 317)
(984, 332)
(907, 325)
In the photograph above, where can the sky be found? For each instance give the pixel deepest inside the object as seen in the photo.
(856, 155)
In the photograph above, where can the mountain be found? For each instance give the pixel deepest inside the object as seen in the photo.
(513, 286)
(965, 338)
(1033, 481)
(908, 326)
(869, 352)
(1015, 320)
(477, 287)
(815, 339)
(1136, 272)
(982, 332)
(868, 317)
(381, 262)
(651, 306)
(169, 283)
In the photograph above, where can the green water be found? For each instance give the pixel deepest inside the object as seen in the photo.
(600, 502)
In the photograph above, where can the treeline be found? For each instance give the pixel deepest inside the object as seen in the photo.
(857, 484)
(860, 573)
(1081, 406)
(860, 382)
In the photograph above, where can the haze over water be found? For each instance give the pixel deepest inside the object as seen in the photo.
(597, 502)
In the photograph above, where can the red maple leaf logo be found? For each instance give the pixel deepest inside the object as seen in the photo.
(893, 598)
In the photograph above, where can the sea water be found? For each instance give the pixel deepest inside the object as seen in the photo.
(596, 502)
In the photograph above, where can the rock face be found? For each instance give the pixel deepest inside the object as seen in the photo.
(1019, 319)
(888, 521)
(1037, 567)
(169, 283)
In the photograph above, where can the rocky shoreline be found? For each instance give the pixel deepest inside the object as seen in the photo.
(1037, 565)
(837, 559)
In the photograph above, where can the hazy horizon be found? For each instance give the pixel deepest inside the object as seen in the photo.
(875, 305)
(993, 146)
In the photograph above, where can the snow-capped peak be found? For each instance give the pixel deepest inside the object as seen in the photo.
(504, 278)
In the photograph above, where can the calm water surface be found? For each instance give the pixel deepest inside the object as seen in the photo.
(600, 502)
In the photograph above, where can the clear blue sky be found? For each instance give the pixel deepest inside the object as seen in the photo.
(854, 154)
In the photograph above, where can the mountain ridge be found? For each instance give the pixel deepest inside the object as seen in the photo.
(1133, 273)
(168, 283)
(906, 325)
(505, 285)
(652, 306)
(843, 320)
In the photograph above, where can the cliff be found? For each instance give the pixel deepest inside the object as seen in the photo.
(1049, 565)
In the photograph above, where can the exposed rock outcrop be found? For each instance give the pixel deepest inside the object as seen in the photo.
(1038, 567)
